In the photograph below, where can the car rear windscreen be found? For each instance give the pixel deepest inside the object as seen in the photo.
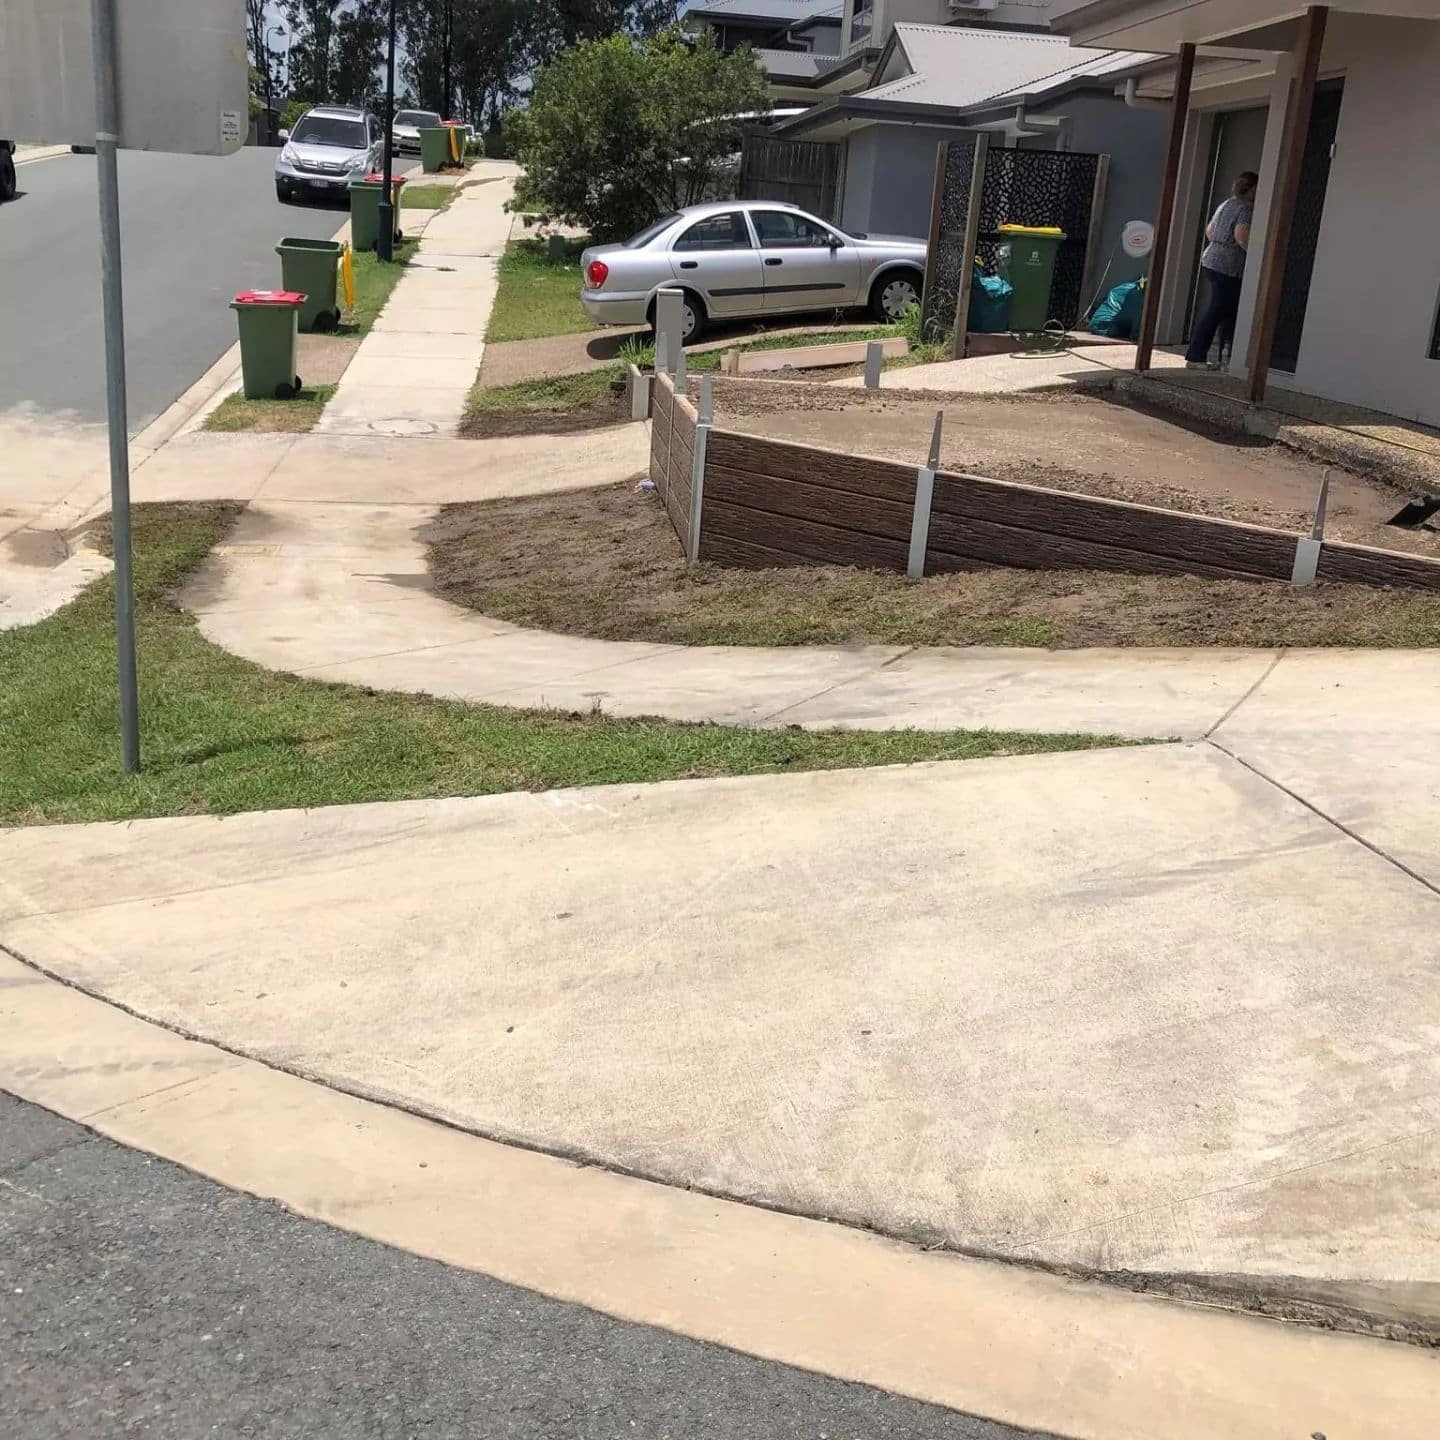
(650, 232)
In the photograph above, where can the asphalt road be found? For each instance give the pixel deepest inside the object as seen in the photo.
(139, 1299)
(195, 230)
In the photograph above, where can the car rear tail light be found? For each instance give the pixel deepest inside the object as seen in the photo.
(596, 272)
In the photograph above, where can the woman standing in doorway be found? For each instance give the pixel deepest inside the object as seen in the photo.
(1223, 262)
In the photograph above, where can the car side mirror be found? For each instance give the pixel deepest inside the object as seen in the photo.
(284, 137)
(835, 242)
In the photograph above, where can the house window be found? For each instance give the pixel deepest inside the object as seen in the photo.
(862, 18)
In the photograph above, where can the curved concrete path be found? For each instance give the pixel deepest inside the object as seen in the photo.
(343, 593)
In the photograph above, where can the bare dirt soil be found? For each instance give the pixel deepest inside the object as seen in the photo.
(605, 562)
(323, 359)
(1086, 443)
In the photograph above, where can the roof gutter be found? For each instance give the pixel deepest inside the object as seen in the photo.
(857, 107)
(1082, 17)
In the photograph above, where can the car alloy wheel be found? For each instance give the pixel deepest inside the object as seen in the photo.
(897, 297)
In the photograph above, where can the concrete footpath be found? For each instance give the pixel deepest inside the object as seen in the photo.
(415, 369)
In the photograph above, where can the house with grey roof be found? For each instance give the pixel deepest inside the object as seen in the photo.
(1027, 87)
(795, 40)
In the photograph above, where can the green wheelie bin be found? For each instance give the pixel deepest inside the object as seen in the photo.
(1031, 271)
(269, 339)
(310, 267)
(365, 209)
(434, 148)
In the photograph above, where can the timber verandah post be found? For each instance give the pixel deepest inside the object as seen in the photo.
(1282, 203)
(1165, 219)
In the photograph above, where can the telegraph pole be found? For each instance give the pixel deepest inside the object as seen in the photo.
(385, 241)
(448, 97)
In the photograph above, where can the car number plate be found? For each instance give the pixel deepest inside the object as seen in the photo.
(321, 184)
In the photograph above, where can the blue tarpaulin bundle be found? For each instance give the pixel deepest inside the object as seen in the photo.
(989, 304)
(1118, 315)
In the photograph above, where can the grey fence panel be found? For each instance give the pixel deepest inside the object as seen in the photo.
(801, 172)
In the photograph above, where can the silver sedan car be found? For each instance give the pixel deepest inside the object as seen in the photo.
(742, 259)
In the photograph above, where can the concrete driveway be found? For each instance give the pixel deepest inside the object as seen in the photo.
(1135, 1011)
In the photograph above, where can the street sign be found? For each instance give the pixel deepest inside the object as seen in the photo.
(182, 78)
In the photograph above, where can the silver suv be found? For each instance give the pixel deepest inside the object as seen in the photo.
(330, 146)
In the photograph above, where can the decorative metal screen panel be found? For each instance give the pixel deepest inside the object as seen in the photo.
(1043, 187)
(946, 269)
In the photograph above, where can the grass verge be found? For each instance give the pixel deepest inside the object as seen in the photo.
(221, 735)
(426, 197)
(606, 563)
(537, 295)
(587, 400)
(235, 413)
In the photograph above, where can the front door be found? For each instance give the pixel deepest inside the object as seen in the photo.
(717, 259)
(1239, 145)
(808, 266)
(1305, 228)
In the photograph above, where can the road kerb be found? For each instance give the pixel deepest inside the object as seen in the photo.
(1016, 1345)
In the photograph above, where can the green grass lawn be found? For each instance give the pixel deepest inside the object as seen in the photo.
(292, 417)
(374, 280)
(591, 390)
(426, 197)
(221, 735)
(538, 296)
(552, 393)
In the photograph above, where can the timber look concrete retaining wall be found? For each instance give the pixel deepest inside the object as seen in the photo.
(672, 453)
(769, 503)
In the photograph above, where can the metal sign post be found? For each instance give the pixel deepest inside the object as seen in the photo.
(107, 143)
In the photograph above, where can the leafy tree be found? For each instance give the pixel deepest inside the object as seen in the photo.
(356, 73)
(496, 45)
(294, 109)
(264, 66)
(312, 45)
(621, 131)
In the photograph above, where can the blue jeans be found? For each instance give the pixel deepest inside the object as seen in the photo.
(1219, 316)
